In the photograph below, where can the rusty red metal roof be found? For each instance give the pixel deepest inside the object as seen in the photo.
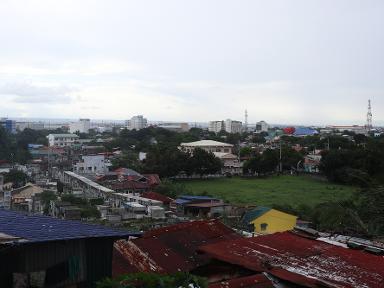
(153, 179)
(303, 261)
(254, 281)
(157, 196)
(174, 248)
(206, 205)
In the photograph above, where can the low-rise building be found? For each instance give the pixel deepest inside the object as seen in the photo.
(264, 220)
(199, 206)
(312, 163)
(92, 164)
(207, 145)
(62, 140)
(231, 163)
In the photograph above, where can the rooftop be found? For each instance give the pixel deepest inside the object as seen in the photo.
(204, 143)
(174, 248)
(38, 228)
(303, 261)
(64, 135)
(89, 182)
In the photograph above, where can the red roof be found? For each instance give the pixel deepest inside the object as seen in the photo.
(206, 205)
(302, 261)
(174, 248)
(130, 185)
(153, 179)
(254, 281)
(157, 196)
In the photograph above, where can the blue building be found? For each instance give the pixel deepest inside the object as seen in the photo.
(9, 125)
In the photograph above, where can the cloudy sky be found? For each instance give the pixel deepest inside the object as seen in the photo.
(286, 61)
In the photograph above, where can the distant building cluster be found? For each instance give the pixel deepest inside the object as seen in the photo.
(81, 126)
(229, 126)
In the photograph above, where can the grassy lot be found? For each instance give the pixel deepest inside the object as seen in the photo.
(279, 190)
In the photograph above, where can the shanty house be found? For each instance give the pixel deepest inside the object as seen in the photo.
(266, 220)
(199, 206)
(40, 251)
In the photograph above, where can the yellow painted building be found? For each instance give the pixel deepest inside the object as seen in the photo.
(267, 220)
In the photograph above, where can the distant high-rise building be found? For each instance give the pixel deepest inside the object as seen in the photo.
(136, 122)
(82, 126)
(262, 126)
(216, 126)
(230, 126)
(9, 125)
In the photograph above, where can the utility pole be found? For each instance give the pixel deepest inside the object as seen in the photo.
(280, 162)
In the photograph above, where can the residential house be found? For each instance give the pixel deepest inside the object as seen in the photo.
(264, 220)
(62, 140)
(92, 164)
(223, 151)
(199, 206)
(312, 162)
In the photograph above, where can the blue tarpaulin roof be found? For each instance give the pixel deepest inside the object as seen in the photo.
(182, 201)
(303, 131)
(38, 228)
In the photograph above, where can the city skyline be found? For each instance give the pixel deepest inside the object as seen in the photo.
(294, 62)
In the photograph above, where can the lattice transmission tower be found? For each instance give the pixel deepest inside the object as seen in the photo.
(369, 117)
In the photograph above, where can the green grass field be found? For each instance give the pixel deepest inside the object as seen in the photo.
(276, 190)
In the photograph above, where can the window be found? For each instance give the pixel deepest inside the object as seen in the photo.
(226, 150)
(263, 226)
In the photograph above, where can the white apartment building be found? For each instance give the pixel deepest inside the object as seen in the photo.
(230, 126)
(216, 126)
(262, 126)
(62, 140)
(136, 122)
(233, 126)
(174, 126)
(92, 164)
(82, 126)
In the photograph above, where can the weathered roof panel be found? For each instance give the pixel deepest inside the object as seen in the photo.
(286, 255)
(38, 228)
(174, 248)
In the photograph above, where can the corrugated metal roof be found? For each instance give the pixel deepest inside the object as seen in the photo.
(38, 228)
(301, 260)
(157, 196)
(254, 281)
(174, 248)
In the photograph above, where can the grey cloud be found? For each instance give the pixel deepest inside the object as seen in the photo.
(30, 93)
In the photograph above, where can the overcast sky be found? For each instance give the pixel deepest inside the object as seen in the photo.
(286, 61)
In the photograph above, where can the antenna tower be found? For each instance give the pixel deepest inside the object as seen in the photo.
(246, 120)
(369, 116)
